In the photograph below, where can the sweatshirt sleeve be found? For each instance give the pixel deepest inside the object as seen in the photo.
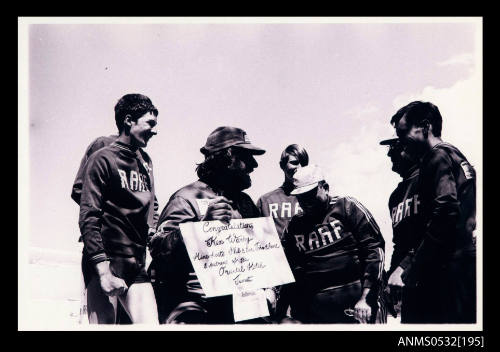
(370, 241)
(168, 239)
(259, 206)
(156, 215)
(95, 179)
(406, 261)
(153, 216)
(443, 212)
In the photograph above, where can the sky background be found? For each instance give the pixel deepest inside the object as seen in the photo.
(331, 87)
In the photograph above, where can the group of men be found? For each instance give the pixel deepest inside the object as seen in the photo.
(332, 243)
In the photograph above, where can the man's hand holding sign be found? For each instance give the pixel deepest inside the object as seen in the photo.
(219, 209)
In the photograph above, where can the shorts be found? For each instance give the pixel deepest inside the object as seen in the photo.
(131, 269)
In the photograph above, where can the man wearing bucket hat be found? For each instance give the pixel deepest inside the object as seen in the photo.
(336, 252)
(216, 195)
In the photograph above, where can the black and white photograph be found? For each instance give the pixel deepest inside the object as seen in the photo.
(250, 173)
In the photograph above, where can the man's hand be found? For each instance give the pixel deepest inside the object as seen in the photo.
(362, 311)
(110, 284)
(395, 278)
(396, 284)
(219, 209)
(271, 300)
(288, 320)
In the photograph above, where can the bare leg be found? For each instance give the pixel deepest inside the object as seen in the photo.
(140, 303)
(101, 308)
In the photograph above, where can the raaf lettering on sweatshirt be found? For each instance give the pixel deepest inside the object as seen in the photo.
(407, 207)
(133, 180)
(284, 209)
(322, 236)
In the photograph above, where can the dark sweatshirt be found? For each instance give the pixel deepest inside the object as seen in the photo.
(116, 201)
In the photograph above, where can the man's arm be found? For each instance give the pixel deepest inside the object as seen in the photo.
(168, 238)
(398, 265)
(168, 244)
(371, 253)
(443, 213)
(371, 244)
(259, 206)
(286, 293)
(95, 180)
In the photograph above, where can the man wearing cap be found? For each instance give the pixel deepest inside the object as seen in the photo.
(443, 270)
(407, 226)
(217, 195)
(336, 252)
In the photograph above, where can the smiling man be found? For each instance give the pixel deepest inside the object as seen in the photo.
(217, 195)
(116, 205)
(279, 203)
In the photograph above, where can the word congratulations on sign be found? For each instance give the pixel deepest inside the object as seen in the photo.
(244, 255)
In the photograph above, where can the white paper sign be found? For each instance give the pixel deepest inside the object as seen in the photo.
(203, 204)
(244, 255)
(250, 305)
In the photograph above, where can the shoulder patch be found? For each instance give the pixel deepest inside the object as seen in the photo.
(468, 170)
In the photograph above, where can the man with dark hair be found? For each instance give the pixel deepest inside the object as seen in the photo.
(135, 106)
(217, 195)
(442, 273)
(336, 252)
(76, 193)
(404, 209)
(116, 212)
(279, 203)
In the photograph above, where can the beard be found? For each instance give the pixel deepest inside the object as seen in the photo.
(236, 180)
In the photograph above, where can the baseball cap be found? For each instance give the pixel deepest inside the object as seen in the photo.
(389, 141)
(306, 178)
(225, 137)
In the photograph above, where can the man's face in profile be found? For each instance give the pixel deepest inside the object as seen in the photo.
(411, 137)
(401, 160)
(242, 164)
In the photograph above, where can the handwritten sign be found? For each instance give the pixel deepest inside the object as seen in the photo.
(244, 255)
(250, 305)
